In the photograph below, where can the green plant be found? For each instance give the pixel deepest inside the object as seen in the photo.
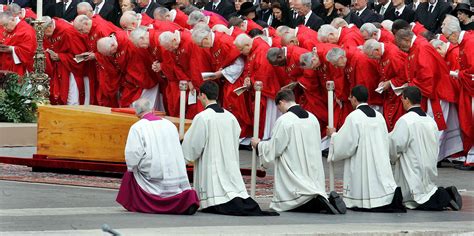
(18, 99)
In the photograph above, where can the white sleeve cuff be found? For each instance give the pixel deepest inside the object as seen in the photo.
(233, 71)
(16, 59)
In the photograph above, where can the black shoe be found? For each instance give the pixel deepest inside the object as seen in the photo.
(456, 199)
(463, 167)
(337, 202)
(191, 210)
(329, 208)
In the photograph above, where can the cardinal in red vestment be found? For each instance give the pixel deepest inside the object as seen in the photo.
(61, 43)
(17, 44)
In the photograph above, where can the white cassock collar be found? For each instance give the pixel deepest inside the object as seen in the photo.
(362, 104)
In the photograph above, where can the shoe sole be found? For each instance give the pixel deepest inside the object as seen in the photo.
(456, 201)
(337, 202)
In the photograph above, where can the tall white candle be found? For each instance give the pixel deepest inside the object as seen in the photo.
(39, 9)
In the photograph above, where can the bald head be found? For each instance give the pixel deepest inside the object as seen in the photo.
(221, 28)
(83, 24)
(338, 22)
(142, 106)
(276, 56)
(107, 46)
(281, 30)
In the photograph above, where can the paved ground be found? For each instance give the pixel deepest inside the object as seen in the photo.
(49, 209)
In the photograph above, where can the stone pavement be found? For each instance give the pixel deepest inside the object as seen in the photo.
(65, 207)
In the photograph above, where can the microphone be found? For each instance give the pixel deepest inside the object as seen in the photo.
(106, 228)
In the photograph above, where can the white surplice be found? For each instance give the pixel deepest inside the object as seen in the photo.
(294, 150)
(414, 150)
(362, 142)
(212, 142)
(153, 152)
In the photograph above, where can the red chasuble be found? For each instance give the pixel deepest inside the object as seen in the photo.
(215, 19)
(361, 70)
(125, 71)
(391, 68)
(23, 38)
(181, 19)
(100, 28)
(386, 36)
(350, 38)
(257, 68)
(466, 92)
(418, 29)
(305, 34)
(163, 26)
(223, 54)
(66, 42)
(185, 60)
(146, 20)
(426, 69)
(252, 25)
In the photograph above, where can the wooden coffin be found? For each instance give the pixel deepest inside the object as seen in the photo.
(90, 133)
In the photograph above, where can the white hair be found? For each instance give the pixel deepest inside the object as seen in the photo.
(338, 22)
(387, 24)
(14, 8)
(282, 29)
(437, 43)
(195, 17)
(273, 53)
(306, 60)
(287, 37)
(242, 39)
(220, 28)
(128, 17)
(166, 38)
(449, 17)
(142, 105)
(47, 21)
(324, 32)
(451, 26)
(136, 34)
(306, 3)
(85, 6)
(370, 45)
(334, 54)
(200, 33)
(104, 44)
(80, 20)
(369, 28)
(161, 11)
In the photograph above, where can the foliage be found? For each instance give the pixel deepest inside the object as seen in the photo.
(18, 99)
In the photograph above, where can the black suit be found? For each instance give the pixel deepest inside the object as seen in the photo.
(432, 20)
(294, 21)
(368, 16)
(264, 15)
(408, 15)
(314, 22)
(225, 8)
(379, 7)
(68, 14)
(149, 11)
(109, 12)
(352, 18)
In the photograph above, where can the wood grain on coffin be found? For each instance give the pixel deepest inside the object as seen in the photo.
(89, 133)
